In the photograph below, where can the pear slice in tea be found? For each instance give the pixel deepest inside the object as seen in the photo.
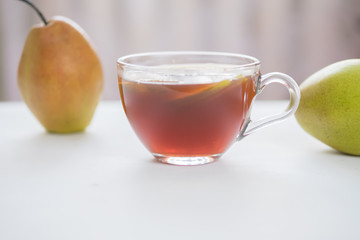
(208, 91)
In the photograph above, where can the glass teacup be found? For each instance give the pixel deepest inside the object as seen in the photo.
(188, 108)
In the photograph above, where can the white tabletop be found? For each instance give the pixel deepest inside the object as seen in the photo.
(279, 183)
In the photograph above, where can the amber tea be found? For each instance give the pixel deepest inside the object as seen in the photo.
(196, 119)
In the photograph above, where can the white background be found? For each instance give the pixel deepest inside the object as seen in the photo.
(296, 37)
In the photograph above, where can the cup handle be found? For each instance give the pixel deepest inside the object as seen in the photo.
(263, 81)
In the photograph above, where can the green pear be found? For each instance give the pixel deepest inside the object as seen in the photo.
(329, 107)
(60, 75)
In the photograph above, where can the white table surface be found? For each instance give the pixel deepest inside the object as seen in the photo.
(279, 183)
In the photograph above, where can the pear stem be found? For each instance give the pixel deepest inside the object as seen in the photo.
(36, 9)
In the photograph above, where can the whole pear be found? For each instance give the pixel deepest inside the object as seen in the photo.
(60, 75)
(329, 107)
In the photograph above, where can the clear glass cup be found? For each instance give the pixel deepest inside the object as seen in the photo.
(188, 108)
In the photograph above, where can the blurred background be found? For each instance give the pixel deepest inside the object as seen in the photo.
(297, 37)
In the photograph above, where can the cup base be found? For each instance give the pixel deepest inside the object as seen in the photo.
(186, 161)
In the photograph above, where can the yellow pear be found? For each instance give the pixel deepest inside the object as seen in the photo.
(329, 107)
(60, 75)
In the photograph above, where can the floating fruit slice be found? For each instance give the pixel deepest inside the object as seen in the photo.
(210, 91)
(190, 90)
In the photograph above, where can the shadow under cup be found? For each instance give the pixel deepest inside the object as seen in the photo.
(188, 108)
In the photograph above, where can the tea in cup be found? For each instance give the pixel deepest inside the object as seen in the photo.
(188, 108)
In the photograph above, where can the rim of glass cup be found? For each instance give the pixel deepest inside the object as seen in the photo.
(234, 67)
